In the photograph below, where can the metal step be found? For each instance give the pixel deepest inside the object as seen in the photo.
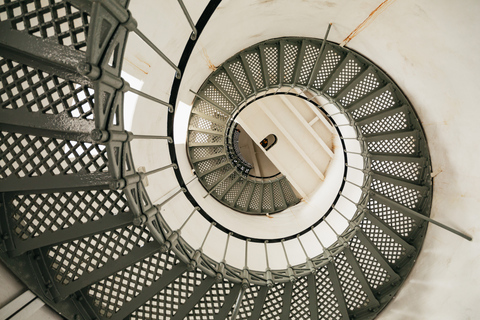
(71, 237)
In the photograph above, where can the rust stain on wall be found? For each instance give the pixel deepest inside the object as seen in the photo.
(438, 123)
(375, 13)
(133, 64)
(210, 64)
(436, 173)
(141, 60)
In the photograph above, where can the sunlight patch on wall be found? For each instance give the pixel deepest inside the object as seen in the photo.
(182, 115)
(130, 99)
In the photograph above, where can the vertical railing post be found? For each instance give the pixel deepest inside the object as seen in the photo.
(195, 260)
(290, 272)
(269, 275)
(310, 264)
(220, 272)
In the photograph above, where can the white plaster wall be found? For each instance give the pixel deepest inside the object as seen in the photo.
(429, 48)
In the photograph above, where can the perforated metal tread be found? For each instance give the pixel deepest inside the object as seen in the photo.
(222, 177)
(73, 242)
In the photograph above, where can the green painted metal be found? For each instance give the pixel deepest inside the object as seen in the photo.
(70, 235)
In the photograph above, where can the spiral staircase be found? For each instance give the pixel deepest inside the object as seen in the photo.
(78, 225)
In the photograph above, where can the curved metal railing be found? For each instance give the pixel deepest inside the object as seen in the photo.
(234, 153)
